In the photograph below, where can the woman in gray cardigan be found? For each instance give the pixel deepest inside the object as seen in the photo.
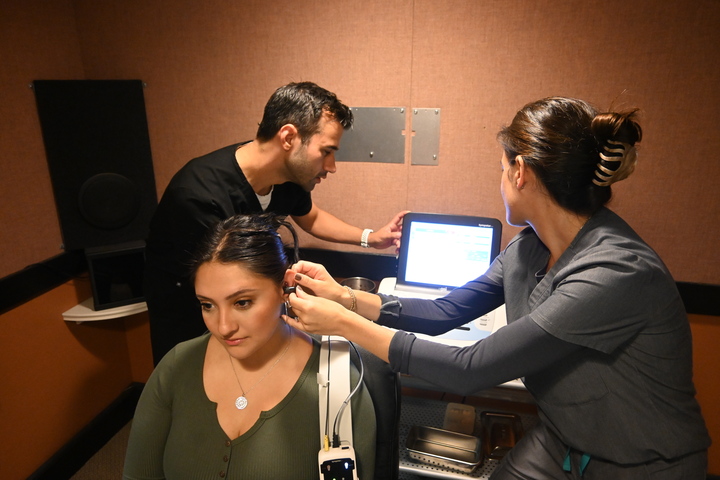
(596, 327)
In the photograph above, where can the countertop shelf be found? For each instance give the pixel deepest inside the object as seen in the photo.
(84, 312)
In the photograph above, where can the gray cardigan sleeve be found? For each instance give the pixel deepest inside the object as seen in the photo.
(516, 350)
(435, 317)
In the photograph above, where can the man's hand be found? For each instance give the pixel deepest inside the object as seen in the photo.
(388, 235)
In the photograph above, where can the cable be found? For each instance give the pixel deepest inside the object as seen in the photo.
(326, 443)
(336, 425)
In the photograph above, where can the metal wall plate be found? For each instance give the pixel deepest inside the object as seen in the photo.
(426, 136)
(376, 136)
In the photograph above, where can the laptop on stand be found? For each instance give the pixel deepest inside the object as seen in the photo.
(439, 252)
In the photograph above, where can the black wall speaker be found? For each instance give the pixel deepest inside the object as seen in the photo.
(98, 152)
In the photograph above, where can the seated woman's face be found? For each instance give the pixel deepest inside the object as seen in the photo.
(240, 308)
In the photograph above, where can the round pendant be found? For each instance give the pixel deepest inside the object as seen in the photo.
(241, 402)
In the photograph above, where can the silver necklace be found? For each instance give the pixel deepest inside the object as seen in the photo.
(241, 401)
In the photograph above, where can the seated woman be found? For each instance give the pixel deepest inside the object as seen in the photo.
(240, 401)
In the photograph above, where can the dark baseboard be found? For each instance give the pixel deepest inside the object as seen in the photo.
(73, 455)
(700, 298)
(34, 280)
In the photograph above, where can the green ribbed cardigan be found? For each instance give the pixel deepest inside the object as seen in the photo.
(175, 433)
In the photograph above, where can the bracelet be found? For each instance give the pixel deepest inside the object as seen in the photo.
(353, 305)
(364, 238)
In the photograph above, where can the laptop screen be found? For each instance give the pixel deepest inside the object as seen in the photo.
(446, 251)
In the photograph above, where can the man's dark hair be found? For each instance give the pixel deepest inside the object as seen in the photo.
(302, 105)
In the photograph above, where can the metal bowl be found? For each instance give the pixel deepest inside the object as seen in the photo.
(359, 283)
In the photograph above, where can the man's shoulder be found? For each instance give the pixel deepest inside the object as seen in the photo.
(214, 159)
(214, 165)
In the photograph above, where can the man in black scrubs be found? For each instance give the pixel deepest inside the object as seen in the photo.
(294, 149)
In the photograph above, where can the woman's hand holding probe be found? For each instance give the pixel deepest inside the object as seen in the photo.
(328, 311)
(315, 314)
(318, 300)
(315, 280)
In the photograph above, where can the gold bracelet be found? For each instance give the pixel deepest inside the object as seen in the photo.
(353, 305)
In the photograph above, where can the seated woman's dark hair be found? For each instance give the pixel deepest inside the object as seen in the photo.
(250, 240)
(576, 152)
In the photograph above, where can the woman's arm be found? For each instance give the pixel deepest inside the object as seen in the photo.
(432, 317)
(516, 350)
(519, 349)
(435, 317)
(314, 278)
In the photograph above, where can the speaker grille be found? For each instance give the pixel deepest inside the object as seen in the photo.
(109, 201)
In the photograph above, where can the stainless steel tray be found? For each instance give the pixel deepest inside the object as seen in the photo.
(444, 448)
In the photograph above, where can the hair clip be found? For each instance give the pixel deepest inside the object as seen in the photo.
(617, 162)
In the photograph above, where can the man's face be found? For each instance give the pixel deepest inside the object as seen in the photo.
(309, 163)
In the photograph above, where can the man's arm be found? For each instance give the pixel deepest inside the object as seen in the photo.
(326, 226)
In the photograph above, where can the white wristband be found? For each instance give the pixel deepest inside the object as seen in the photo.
(364, 238)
